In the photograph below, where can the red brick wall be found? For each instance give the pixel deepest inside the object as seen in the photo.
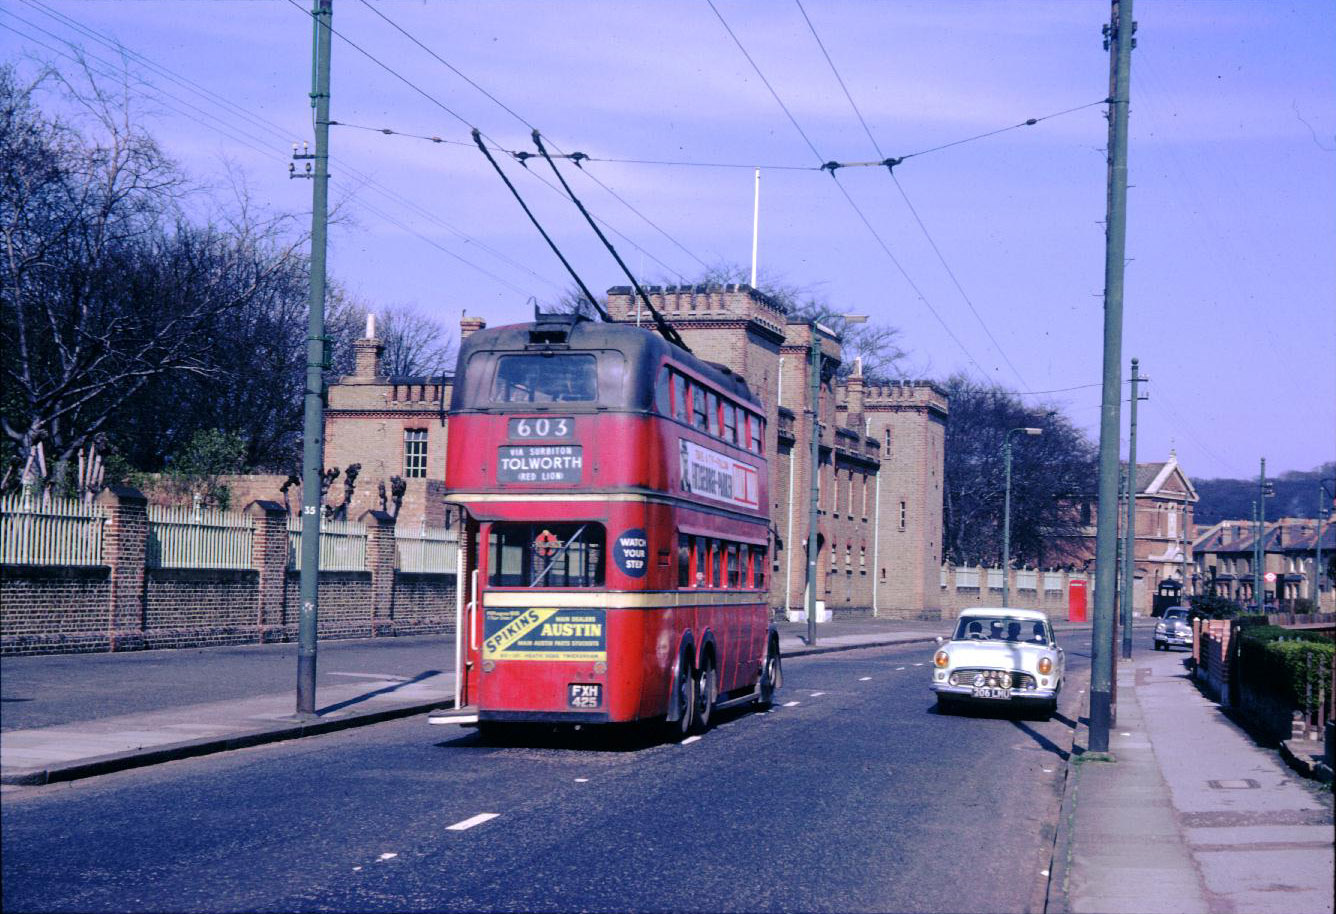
(126, 606)
(53, 610)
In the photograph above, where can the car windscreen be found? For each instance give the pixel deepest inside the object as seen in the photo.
(1002, 628)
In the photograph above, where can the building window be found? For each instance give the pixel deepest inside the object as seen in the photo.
(904, 515)
(415, 453)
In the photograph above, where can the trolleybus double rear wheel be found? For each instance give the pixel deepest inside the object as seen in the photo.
(707, 690)
(772, 674)
(684, 692)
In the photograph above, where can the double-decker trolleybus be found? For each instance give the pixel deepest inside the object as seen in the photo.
(616, 531)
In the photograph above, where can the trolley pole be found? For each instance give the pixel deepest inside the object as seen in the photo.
(1119, 41)
(313, 432)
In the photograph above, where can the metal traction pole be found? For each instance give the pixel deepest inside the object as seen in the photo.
(313, 432)
(1106, 535)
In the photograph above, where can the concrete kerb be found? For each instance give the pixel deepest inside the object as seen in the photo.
(123, 761)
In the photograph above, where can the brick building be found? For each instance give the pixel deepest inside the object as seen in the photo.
(881, 447)
(1224, 559)
(1163, 546)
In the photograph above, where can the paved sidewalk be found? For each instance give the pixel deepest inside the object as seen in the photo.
(1187, 813)
(83, 715)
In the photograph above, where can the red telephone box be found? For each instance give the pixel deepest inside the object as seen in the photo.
(1076, 601)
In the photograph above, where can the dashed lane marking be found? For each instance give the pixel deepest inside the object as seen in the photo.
(475, 820)
(689, 740)
(582, 780)
(899, 668)
(816, 694)
(864, 678)
(386, 857)
(790, 704)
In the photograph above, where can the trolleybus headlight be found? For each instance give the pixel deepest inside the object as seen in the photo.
(1045, 665)
(942, 659)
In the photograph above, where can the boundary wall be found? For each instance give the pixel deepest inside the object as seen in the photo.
(125, 604)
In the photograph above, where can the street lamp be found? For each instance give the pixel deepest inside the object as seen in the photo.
(815, 330)
(1006, 510)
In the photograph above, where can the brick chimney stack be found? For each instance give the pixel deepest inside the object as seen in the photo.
(366, 355)
(468, 325)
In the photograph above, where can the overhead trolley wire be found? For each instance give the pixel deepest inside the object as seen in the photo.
(913, 211)
(847, 196)
(522, 155)
(240, 134)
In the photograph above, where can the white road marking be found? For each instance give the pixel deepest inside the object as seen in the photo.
(864, 678)
(897, 669)
(379, 676)
(689, 740)
(476, 820)
(1125, 734)
(918, 664)
(357, 869)
(816, 694)
(790, 704)
(387, 856)
(582, 780)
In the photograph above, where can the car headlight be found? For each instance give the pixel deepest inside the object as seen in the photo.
(941, 659)
(1159, 629)
(1045, 665)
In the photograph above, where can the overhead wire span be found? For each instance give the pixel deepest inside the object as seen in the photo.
(665, 328)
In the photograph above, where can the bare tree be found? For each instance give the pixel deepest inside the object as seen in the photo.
(1048, 473)
(107, 286)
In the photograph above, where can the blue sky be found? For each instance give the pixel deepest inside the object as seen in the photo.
(1231, 280)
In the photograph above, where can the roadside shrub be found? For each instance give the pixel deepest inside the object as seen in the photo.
(1296, 669)
(1214, 606)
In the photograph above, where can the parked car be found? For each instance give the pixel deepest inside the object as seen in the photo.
(1173, 629)
(999, 657)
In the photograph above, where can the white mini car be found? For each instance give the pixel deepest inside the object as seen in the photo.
(1000, 657)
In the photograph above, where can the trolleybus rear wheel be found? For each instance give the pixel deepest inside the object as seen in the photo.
(684, 692)
(772, 675)
(707, 690)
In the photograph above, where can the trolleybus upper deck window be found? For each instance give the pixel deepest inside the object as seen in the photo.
(562, 377)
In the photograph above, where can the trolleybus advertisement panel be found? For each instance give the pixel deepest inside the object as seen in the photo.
(545, 634)
(718, 477)
(539, 463)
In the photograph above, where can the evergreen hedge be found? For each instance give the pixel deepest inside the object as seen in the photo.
(1293, 665)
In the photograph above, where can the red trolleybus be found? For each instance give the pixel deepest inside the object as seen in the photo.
(616, 533)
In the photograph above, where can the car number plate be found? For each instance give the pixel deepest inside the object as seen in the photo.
(991, 692)
(584, 694)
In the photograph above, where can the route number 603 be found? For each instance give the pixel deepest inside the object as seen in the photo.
(542, 427)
